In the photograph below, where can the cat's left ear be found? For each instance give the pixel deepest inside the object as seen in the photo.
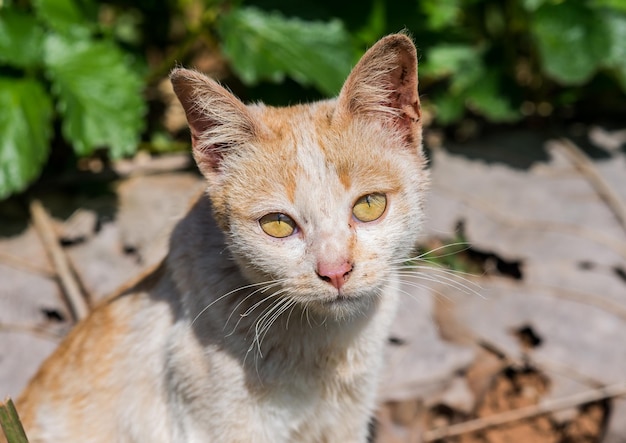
(383, 86)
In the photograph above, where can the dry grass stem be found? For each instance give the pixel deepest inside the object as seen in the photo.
(71, 288)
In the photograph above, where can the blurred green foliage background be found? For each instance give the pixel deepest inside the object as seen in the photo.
(86, 77)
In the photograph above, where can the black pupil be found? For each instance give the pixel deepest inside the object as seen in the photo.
(368, 201)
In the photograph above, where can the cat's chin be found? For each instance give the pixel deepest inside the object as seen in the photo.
(344, 306)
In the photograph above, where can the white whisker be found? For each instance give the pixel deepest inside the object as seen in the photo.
(442, 279)
(425, 254)
(271, 284)
(413, 296)
(459, 275)
(425, 287)
(274, 318)
(248, 311)
(435, 267)
(252, 285)
(289, 316)
(263, 317)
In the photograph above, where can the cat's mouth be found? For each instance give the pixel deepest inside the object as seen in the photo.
(341, 299)
(344, 303)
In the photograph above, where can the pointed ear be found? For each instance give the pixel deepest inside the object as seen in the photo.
(383, 85)
(217, 119)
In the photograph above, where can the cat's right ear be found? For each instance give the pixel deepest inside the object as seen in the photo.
(217, 119)
(383, 86)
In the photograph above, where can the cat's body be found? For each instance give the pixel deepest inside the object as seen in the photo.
(267, 320)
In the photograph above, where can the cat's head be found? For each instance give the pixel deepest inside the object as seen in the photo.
(325, 199)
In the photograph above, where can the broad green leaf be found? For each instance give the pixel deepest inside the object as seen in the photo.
(268, 46)
(65, 16)
(26, 126)
(573, 41)
(21, 39)
(447, 59)
(99, 96)
(462, 63)
(616, 24)
(485, 98)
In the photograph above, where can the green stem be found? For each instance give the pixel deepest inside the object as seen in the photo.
(11, 424)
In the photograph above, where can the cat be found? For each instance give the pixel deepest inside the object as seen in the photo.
(267, 320)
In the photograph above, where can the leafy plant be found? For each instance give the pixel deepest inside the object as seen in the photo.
(75, 71)
(491, 57)
(58, 61)
(268, 46)
(577, 39)
(55, 60)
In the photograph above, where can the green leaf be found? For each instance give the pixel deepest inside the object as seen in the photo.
(462, 63)
(268, 46)
(441, 13)
(616, 24)
(485, 98)
(446, 59)
(11, 424)
(21, 39)
(66, 16)
(573, 41)
(99, 95)
(26, 126)
(612, 4)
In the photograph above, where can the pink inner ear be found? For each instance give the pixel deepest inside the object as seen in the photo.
(217, 119)
(383, 85)
(402, 86)
(206, 155)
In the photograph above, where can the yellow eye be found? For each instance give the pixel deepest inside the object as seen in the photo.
(277, 225)
(369, 207)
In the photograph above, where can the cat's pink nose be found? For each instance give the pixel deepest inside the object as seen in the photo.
(333, 273)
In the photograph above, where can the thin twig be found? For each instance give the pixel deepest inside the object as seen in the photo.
(74, 297)
(604, 190)
(11, 424)
(546, 407)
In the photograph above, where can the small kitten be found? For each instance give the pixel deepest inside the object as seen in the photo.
(267, 320)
